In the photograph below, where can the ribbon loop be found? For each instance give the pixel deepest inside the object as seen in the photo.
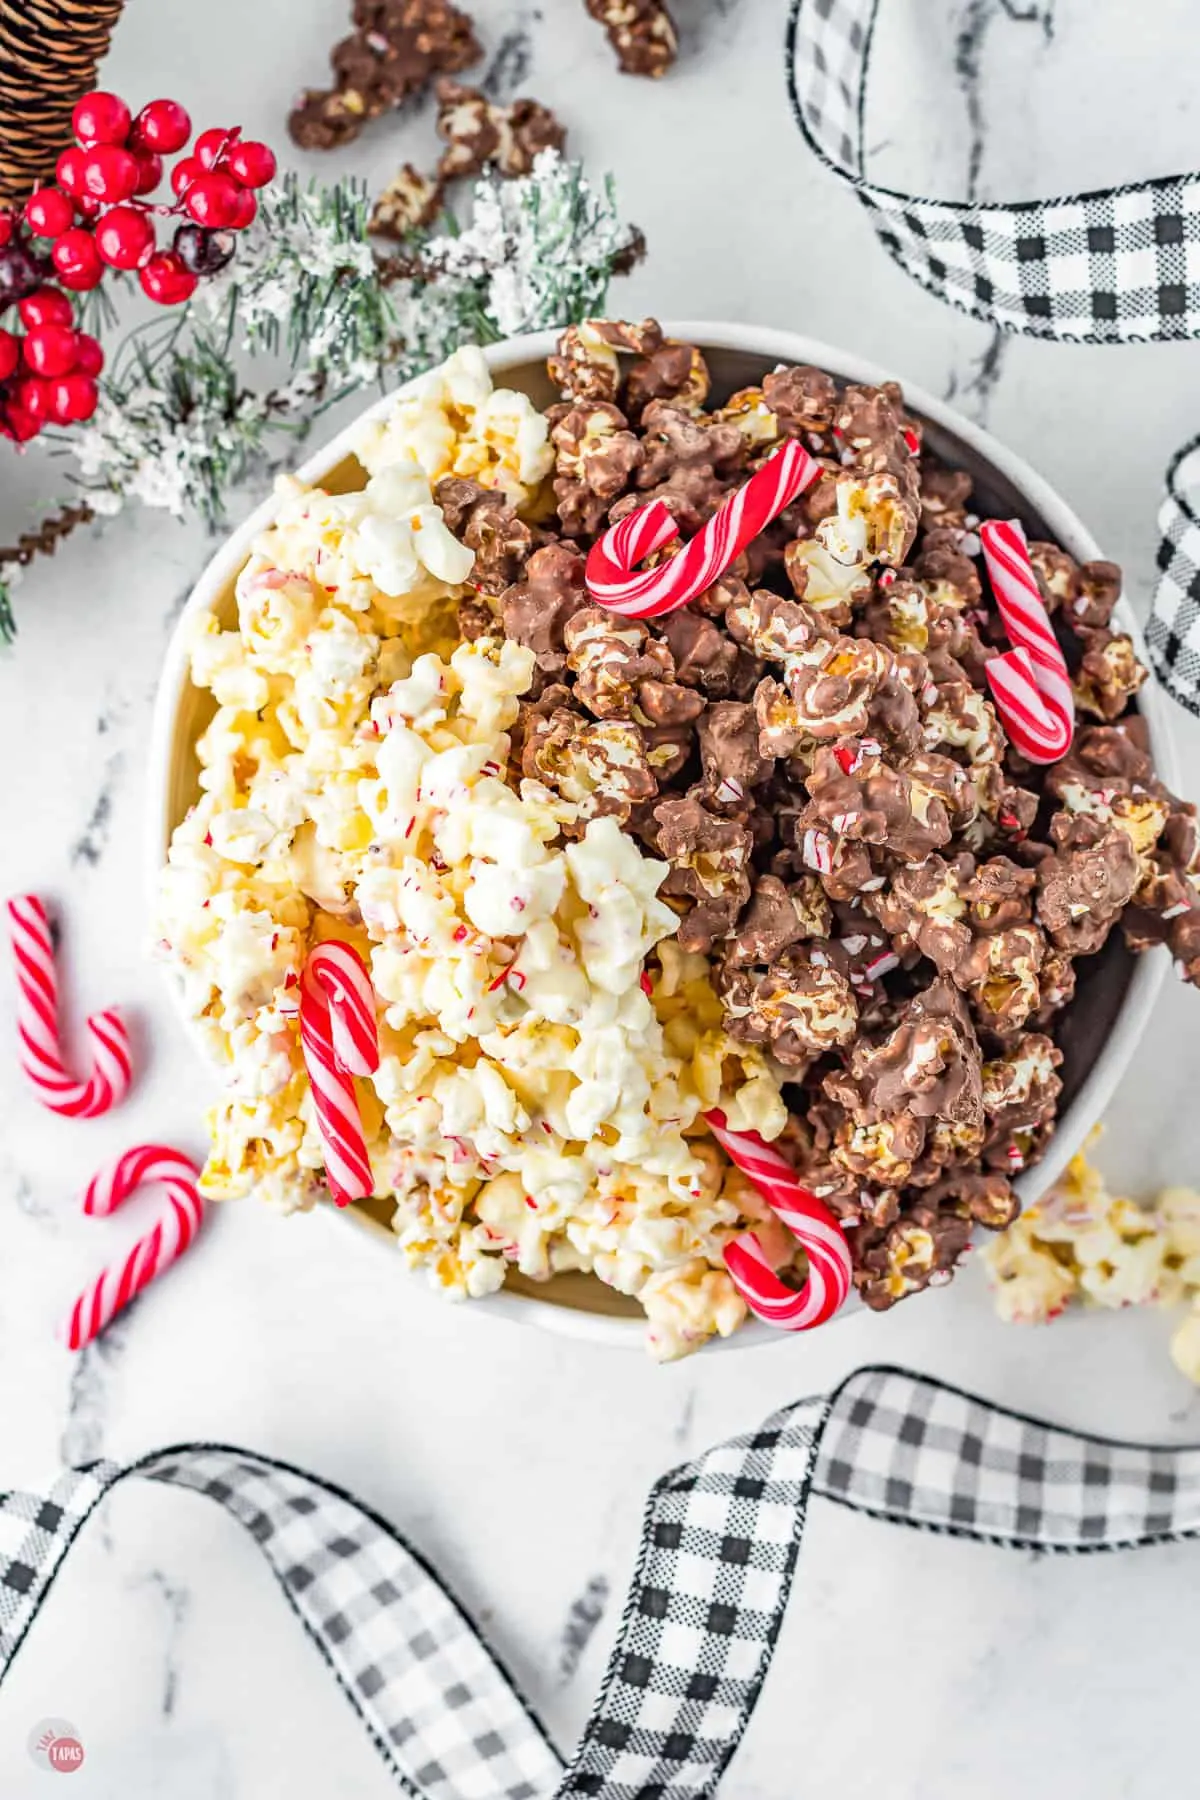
(711, 1584)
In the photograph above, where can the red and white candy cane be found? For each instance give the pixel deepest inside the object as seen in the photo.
(807, 1218)
(115, 1287)
(40, 1052)
(612, 575)
(1030, 682)
(339, 1037)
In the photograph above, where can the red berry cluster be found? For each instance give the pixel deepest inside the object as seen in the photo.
(115, 162)
(47, 377)
(99, 213)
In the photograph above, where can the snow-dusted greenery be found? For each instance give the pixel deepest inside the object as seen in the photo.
(178, 425)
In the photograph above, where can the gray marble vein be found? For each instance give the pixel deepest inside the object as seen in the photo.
(512, 57)
(92, 841)
(583, 1616)
(85, 1424)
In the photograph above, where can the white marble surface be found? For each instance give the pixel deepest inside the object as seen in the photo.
(910, 1667)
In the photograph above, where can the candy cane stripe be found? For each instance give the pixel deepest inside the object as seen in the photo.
(829, 1268)
(39, 1048)
(611, 574)
(339, 1038)
(172, 1233)
(1030, 683)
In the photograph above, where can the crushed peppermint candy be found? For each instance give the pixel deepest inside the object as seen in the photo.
(817, 852)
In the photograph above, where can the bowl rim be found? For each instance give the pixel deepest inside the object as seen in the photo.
(783, 346)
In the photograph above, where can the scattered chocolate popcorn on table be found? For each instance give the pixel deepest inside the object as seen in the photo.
(478, 134)
(642, 32)
(395, 51)
(1082, 1244)
(768, 857)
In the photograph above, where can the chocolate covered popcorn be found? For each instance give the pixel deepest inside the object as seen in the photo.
(642, 32)
(395, 50)
(894, 902)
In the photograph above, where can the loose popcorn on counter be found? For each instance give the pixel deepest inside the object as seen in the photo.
(1083, 1244)
(547, 1049)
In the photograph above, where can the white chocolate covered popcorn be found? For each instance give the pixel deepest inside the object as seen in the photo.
(1083, 1243)
(539, 1098)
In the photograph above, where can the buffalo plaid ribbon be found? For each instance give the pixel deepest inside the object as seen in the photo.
(719, 1545)
(1114, 266)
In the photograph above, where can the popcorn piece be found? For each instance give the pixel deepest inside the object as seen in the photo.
(395, 50)
(874, 521)
(453, 422)
(621, 671)
(599, 768)
(1110, 673)
(1083, 887)
(642, 32)
(486, 522)
(830, 584)
(408, 203)
(1083, 1243)
(478, 133)
(799, 1007)
(709, 857)
(803, 400)
(585, 365)
(596, 454)
(535, 611)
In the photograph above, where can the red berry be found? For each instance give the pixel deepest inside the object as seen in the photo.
(212, 200)
(150, 169)
(162, 125)
(125, 237)
(72, 399)
(89, 357)
(88, 208)
(46, 306)
(77, 260)
(247, 207)
(48, 213)
(165, 279)
(17, 423)
(211, 146)
(110, 173)
(50, 350)
(7, 226)
(68, 171)
(251, 163)
(184, 173)
(10, 354)
(32, 395)
(100, 118)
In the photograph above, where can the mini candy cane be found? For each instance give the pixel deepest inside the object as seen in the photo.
(37, 1025)
(611, 565)
(1030, 683)
(809, 1220)
(339, 1038)
(114, 1288)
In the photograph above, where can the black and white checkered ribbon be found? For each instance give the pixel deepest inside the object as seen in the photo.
(719, 1546)
(1115, 266)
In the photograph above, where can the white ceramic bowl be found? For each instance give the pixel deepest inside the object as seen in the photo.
(1116, 992)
